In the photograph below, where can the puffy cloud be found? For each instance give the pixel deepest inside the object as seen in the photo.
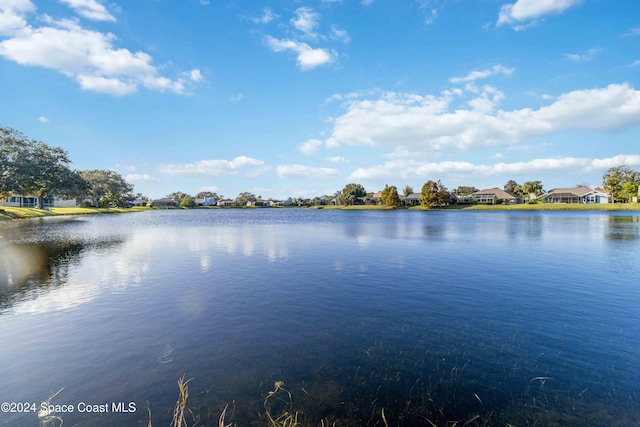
(266, 17)
(430, 19)
(308, 57)
(340, 35)
(44, 119)
(310, 146)
(337, 159)
(412, 169)
(12, 15)
(213, 167)
(90, 9)
(137, 177)
(301, 171)
(306, 21)
(524, 13)
(585, 57)
(87, 56)
(482, 74)
(427, 123)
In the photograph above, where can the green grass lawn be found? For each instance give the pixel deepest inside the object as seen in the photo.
(558, 207)
(353, 207)
(7, 212)
(519, 207)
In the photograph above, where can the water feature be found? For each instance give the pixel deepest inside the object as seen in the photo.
(360, 317)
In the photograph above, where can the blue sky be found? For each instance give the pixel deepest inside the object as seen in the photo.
(298, 98)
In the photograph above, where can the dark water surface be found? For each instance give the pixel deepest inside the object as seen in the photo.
(409, 318)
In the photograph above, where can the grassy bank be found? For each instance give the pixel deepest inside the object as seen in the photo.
(7, 212)
(519, 207)
(556, 207)
(354, 207)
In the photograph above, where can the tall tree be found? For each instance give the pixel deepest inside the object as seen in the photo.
(512, 187)
(177, 196)
(465, 190)
(350, 194)
(107, 186)
(532, 187)
(614, 179)
(407, 190)
(187, 202)
(33, 167)
(210, 194)
(434, 194)
(630, 190)
(389, 196)
(246, 197)
(13, 150)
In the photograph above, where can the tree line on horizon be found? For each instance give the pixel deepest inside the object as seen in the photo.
(32, 167)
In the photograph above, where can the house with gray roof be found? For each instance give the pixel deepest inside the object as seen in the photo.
(575, 195)
(412, 199)
(493, 195)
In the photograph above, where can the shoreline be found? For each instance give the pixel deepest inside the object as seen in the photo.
(10, 213)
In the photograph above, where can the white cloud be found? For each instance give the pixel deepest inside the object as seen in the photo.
(266, 17)
(366, 2)
(87, 56)
(585, 57)
(308, 57)
(310, 146)
(332, 143)
(43, 119)
(411, 169)
(340, 35)
(195, 75)
(482, 74)
(429, 124)
(301, 171)
(12, 15)
(306, 21)
(337, 159)
(212, 167)
(137, 177)
(90, 9)
(524, 13)
(633, 32)
(430, 19)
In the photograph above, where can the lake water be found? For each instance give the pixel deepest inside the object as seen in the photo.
(367, 317)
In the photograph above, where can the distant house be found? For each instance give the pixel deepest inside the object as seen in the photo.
(493, 195)
(205, 201)
(412, 199)
(376, 198)
(462, 199)
(228, 203)
(260, 203)
(164, 202)
(575, 195)
(19, 200)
